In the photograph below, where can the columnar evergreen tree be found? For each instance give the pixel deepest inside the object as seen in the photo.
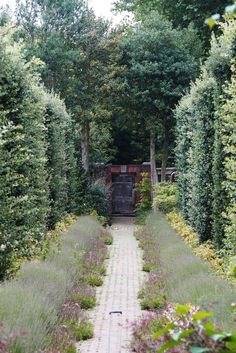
(23, 175)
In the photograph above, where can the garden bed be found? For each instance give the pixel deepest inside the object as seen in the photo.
(176, 275)
(44, 308)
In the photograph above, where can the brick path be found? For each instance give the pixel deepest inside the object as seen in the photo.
(118, 293)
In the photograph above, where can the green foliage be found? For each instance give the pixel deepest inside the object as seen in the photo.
(99, 199)
(76, 52)
(199, 153)
(201, 157)
(153, 303)
(166, 197)
(181, 328)
(23, 174)
(153, 295)
(83, 331)
(232, 269)
(95, 281)
(56, 124)
(188, 278)
(227, 116)
(84, 301)
(159, 67)
(32, 302)
(148, 267)
(212, 21)
(106, 237)
(145, 202)
(181, 12)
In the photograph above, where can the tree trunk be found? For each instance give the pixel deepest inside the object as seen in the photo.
(165, 156)
(85, 145)
(154, 179)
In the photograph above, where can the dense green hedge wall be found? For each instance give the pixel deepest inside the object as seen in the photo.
(56, 124)
(204, 168)
(23, 174)
(227, 116)
(202, 142)
(41, 179)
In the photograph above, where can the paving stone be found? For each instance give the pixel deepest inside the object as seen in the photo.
(112, 333)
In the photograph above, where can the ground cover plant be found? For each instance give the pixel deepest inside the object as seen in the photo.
(145, 202)
(166, 201)
(165, 197)
(152, 295)
(175, 275)
(205, 250)
(45, 302)
(188, 278)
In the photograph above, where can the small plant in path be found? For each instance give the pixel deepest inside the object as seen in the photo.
(86, 302)
(148, 267)
(83, 331)
(95, 281)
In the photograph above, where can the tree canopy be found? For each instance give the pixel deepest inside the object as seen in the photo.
(180, 12)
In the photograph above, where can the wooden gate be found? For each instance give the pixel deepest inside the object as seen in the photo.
(123, 194)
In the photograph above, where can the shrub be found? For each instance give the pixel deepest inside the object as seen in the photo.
(98, 199)
(83, 331)
(23, 174)
(84, 301)
(200, 155)
(95, 281)
(145, 202)
(148, 267)
(32, 302)
(206, 250)
(153, 294)
(183, 229)
(153, 303)
(188, 278)
(178, 329)
(166, 197)
(228, 130)
(56, 123)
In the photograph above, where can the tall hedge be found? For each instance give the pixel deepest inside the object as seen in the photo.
(183, 116)
(199, 152)
(56, 127)
(72, 168)
(39, 172)
(196, 179)
(227, 116)
(23, 174)
(62, 162)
